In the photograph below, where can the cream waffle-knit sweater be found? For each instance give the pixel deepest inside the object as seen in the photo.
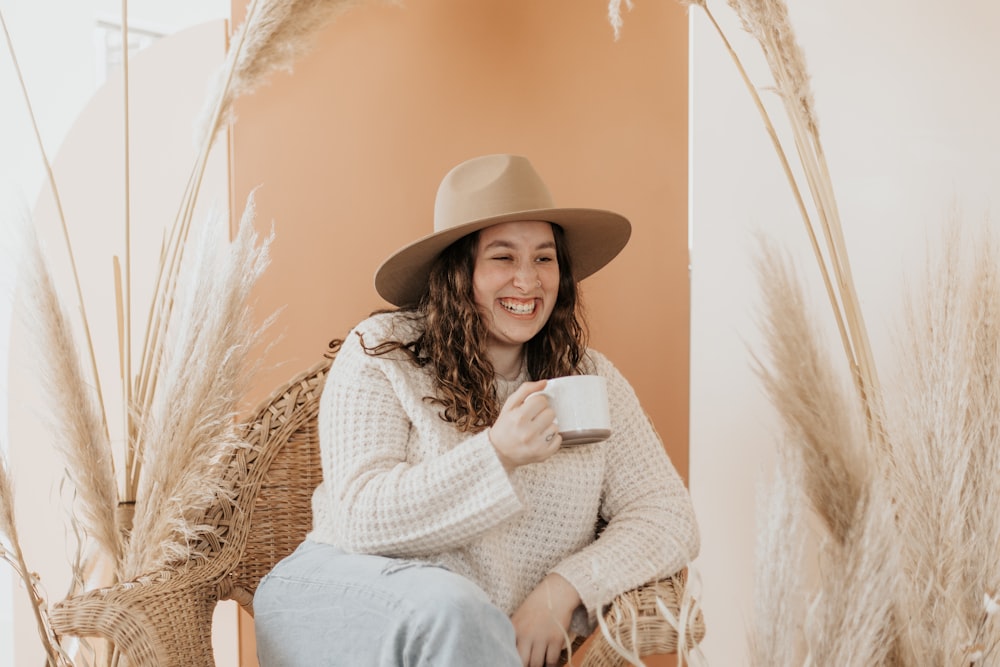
(399, 481)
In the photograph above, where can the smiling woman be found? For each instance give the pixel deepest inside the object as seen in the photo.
(439, 451)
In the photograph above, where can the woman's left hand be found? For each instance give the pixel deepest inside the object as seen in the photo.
(542, 621)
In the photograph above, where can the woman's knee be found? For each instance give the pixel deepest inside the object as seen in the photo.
(434, 587)
(444, 600)
(451, 620)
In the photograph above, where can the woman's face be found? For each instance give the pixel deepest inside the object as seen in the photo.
(516, 280)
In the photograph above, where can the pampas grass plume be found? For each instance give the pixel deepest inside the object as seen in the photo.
(77, 417)
(8, 527)
(272, 36)
(944, 420)
(615, 14)
(819, 417)
(191, 428)
(767, 21)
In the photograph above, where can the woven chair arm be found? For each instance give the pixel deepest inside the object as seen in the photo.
(636, 622)
(160, 620)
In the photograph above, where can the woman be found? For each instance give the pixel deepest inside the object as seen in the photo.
(452, 528)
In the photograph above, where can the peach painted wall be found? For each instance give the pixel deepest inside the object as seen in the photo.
(349, 149)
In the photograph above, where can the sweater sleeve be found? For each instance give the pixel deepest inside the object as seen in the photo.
(651, 530)
(377, 495)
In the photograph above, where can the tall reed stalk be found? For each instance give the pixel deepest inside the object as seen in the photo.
(123, 291)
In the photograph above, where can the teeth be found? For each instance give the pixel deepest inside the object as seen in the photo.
(517, 307)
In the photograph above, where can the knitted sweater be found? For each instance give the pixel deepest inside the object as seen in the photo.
(399, 481)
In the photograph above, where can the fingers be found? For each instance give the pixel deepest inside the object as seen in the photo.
(524, 650)
(532, 653)
(529, 410)
(526, 430)
(536, 423)
(552, 437)
(539, 653)
(523, 392)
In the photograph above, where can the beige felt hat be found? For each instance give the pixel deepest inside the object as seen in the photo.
(486, 191)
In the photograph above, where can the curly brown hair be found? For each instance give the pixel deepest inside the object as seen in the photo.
(454, 334)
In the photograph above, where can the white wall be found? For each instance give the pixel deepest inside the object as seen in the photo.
(54, 42)
(907, 99)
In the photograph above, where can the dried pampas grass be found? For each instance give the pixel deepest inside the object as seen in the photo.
(911, 542)
(829, 462)
(7, 525)
(191, 428)
(805, 388)
(615, 14)
(272, 36)
(910, 574)
(944, 419)
(75, 413)
(902, 478)
(852, 618)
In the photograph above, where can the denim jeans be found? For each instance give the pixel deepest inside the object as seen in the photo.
(321, 606)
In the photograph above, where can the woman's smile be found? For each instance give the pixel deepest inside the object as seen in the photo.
(516, 280)
(519, 306)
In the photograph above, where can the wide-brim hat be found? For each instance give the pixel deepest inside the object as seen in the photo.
(489, 190)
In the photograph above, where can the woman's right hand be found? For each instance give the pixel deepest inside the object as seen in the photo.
(526, 430)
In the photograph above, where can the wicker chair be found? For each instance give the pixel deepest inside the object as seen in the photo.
(165, 619)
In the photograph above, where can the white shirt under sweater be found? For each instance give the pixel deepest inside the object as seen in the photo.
(399, 481)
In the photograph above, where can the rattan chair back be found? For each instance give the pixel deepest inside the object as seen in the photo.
(277, 499)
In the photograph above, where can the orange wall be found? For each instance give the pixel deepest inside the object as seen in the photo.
(349, 149)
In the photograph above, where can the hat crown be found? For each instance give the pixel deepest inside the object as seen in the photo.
(487, 187)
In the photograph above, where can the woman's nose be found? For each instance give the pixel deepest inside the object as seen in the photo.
(526, 277)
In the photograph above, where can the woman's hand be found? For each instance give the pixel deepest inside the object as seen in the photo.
(526, 431)
(542, 621)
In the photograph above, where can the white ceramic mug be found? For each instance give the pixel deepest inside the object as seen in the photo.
(581, 406)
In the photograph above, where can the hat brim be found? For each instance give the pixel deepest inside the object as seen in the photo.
(593, 238)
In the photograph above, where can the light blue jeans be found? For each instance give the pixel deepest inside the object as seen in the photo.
(320, 606)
